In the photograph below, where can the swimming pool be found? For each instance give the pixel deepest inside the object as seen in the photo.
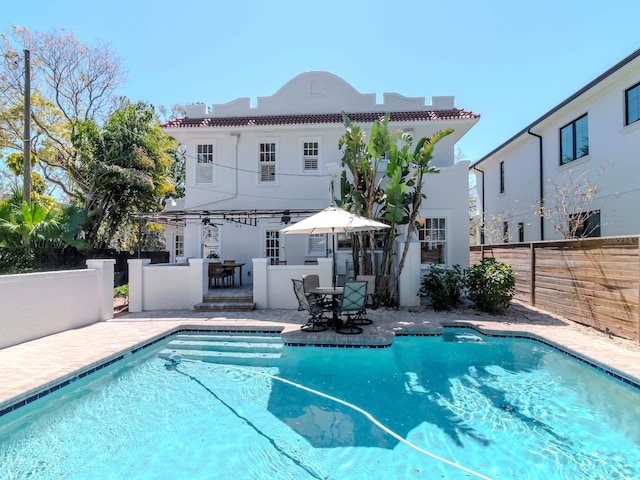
(460, 405)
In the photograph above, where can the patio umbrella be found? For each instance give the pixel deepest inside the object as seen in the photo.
(334, 220)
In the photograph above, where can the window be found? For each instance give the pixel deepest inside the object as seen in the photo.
(521, 232)
(267, 162)
(632, 104)
(574, 140)
(272, 246)
(204, 167)
(501, 177)
(505, 232)
(317, 245)
(178, 247)
(310, 155)
(583, 225)
(432, 234)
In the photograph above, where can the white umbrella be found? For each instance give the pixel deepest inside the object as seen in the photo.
(334, 220)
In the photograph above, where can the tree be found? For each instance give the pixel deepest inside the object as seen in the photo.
(71, 83)
(568, 208)
(107, 155)
(126, 164)
(393, 196)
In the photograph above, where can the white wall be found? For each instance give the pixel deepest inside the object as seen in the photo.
(35, 305)
(166, 286)
(272, 287)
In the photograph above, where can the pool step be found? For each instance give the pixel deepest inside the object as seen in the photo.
(462, 336)
(235, 349)
(257, 359)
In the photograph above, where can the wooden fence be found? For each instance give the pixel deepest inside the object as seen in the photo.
(593, 281)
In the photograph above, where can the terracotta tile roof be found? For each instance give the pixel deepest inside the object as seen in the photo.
(305, 119)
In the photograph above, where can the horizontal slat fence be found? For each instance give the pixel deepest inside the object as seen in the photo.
(594, 281)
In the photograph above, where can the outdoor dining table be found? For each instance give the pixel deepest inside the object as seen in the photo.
(232, 267)
(335, 293)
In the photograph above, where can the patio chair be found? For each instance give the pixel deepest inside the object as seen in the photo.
(218, 276)
(310, 282)
(372, 301)
(317, 321)
(353, 304)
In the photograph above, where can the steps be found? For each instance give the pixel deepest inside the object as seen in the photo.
(225, 303)
(246, 349)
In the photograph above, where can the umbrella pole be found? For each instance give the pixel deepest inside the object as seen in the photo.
(333, 253)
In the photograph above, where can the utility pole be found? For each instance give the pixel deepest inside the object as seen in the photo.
(26, 187)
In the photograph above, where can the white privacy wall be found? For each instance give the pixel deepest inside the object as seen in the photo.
(35, 305)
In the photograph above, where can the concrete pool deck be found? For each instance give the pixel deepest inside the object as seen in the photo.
(40, 364)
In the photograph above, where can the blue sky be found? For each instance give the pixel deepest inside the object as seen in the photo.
(508, 60)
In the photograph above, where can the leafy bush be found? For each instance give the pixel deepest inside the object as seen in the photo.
(444, 286)
(490, 284)
(121, 292)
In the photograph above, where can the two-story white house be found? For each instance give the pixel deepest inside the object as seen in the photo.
(251, 170)
(590, 140)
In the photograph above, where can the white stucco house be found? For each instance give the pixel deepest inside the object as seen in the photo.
(252, 169)
(590, 139)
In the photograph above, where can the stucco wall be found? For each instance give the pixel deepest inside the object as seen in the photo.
(35, 305)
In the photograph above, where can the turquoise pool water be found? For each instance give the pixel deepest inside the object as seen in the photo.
(457, 406)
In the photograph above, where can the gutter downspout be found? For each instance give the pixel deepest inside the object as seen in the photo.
(481, 229)
(541, 180)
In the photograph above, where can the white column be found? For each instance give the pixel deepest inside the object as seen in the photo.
(105, 269)
(260, 283)
(409, 282)
(198, 279)
(136, 300)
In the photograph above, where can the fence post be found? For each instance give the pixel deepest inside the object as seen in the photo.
(532, 266)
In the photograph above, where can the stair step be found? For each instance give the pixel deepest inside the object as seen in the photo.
(234, 358)
(209, 298)
(225, 346)
(230, 337)
(225, 307)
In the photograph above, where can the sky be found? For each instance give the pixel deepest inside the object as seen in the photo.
(508, 60)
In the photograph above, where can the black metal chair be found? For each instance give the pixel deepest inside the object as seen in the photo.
(353, 304)
(317, 321)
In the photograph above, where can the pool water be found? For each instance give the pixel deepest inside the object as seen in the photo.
(459, 405)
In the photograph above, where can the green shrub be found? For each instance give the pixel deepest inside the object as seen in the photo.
(490, 285)
(121, 292)
(444, 286)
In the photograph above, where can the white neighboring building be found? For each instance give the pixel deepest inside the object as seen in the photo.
(251, 170)
(592, 137)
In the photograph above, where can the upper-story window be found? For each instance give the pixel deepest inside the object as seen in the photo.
(204, 164)
(267, 161)
(632, 104)
(310, 155)
(501, 177)
(574, 140)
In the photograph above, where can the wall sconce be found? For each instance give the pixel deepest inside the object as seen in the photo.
(286, 218)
